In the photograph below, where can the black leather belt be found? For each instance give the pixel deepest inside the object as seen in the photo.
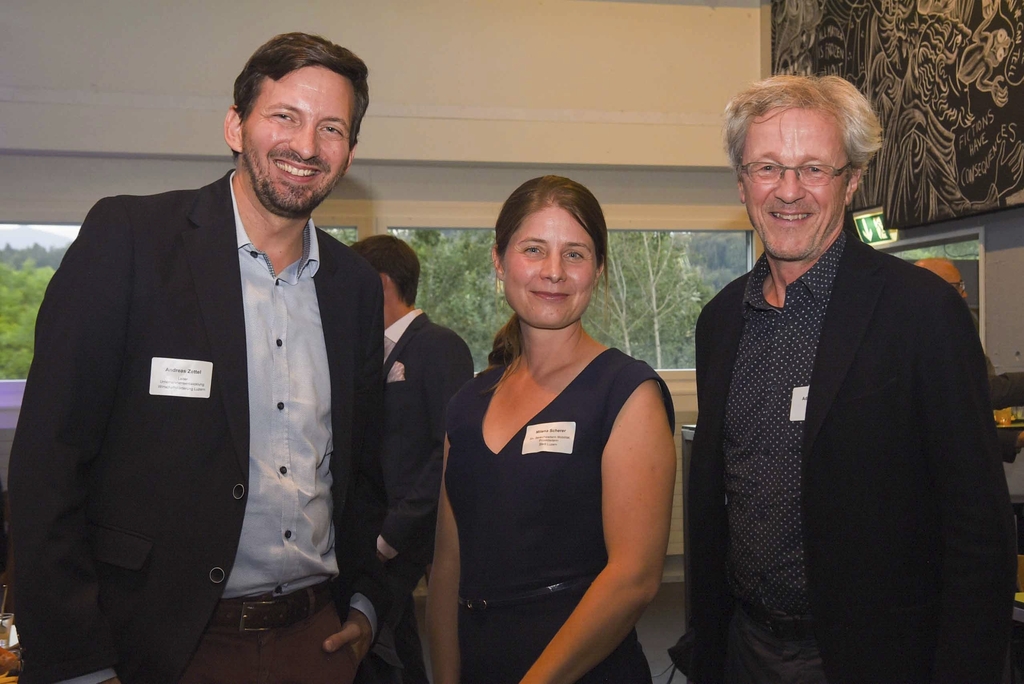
(524, 596)
(267, 611)
(781, 625)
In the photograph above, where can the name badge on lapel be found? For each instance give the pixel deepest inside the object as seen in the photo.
(180, 378)
(554, 437)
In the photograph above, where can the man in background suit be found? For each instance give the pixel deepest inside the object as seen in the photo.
(194, 475)
(425, 365)
(1005, 389)
(849, 516)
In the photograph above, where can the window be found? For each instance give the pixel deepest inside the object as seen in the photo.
(657, 283)
(30, 255)
(457, 284)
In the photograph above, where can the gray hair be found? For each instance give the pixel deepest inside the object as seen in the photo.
(830, 95)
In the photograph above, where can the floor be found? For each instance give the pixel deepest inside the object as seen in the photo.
(659, 628)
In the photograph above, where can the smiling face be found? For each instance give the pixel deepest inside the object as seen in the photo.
(797, 224)
(294, 145)
(549, 269)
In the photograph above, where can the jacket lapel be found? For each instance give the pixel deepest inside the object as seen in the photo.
(211, 251)
(855, 294)
(713, 387)
(335, 297)
(721, 361)
(410, 332)
(331, 300)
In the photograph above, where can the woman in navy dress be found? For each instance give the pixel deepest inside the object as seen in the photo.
(559, 470)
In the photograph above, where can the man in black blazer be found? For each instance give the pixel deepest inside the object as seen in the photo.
(425, 366)
(194, 474)
(849, 518)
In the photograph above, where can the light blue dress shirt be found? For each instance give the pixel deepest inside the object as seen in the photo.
(287, 539)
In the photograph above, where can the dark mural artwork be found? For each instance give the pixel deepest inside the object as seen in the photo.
(945, 77)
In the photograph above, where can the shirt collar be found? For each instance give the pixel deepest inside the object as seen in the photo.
(395, 331)
(310, 247)
(818, 279)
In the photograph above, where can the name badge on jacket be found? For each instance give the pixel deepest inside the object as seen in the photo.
(180, 378)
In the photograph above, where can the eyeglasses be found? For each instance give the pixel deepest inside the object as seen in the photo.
(958, 286)
(766, 173)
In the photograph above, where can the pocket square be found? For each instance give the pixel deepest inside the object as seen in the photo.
(397, 372)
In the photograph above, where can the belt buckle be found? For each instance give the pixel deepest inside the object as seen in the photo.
(246, 607)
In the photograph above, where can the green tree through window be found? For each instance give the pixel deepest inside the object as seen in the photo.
(21, 292)
(457, 284)
(29, 254)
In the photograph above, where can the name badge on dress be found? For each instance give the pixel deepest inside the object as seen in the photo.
(180, 378)
(554, 437)
(798, 406)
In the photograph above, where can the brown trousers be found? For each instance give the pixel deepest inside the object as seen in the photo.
(290, 655)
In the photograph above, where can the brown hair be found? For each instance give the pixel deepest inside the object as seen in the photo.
(529, 198)
(394, 258)
(288, 52)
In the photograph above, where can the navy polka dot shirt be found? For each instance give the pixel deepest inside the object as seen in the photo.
(763, 445)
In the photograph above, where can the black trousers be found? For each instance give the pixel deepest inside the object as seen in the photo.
(755, 656)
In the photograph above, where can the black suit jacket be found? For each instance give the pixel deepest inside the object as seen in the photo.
(127, 507)
(436, 364)
(909, 540)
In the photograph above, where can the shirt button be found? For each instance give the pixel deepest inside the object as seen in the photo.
(278, 589)
(280, 405)
(279, 343)
(284, 471)
(239, 491)
(287, 534)
(254, 254)
(217, 575)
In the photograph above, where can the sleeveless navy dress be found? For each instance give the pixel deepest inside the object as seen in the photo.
(530, 521)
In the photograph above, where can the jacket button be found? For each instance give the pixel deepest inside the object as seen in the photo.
(239, 491)
(217, 575)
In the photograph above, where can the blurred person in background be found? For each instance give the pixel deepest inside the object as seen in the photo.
(424, 365)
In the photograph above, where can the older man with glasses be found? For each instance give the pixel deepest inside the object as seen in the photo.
(849, 517)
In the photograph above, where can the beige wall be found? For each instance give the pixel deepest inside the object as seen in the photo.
(523, 81)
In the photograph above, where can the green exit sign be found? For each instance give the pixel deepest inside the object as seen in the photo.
(871, 227)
